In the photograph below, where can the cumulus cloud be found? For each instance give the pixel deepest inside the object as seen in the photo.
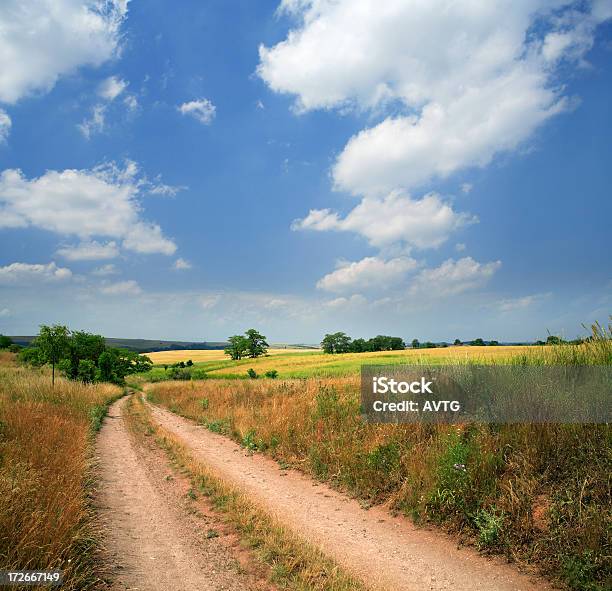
(395, 218)
(5, 126)
(450, 105)
(129, 287)
(368, 274)
(453, 277)
(89, 251)
(28, 274)
(44, 39)
(181, 264)
(201, 109)
(99, 202)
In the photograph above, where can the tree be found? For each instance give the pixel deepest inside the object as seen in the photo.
(337, 342)
(457, 342)
(106, 368)
(86, 371)
(237, 348)
(415, 343)
(358, 346)
(257, 344)
(84, 346)
(553, 340)
(494, 343)
(52, 342)
(5, 342)
(478, 343)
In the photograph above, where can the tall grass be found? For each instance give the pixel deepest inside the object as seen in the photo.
(539, 494)
(45, 460)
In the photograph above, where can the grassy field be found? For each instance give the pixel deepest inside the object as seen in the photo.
(304, 364)
(540, 494)
(46, 521)
(203, 355)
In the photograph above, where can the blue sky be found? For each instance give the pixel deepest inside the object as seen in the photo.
(305, 167)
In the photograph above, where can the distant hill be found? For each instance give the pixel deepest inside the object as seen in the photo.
(149, 345)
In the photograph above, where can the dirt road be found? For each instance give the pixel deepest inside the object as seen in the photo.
(386, 552)
(151, 542)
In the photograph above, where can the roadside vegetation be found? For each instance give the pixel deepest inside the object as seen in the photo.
(539, 494)
(46, 432)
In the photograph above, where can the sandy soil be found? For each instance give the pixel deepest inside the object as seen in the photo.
(155, 536)
(386, 552)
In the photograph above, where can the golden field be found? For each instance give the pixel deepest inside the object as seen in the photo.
(199, 356)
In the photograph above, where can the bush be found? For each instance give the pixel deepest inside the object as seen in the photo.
(252, 373)
(272, 373)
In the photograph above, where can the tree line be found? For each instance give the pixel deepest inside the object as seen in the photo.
(340, 342)
(79, 355)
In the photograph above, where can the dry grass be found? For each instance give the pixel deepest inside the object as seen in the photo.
(539, 494)
(45, 435)
(294, 564)
(199, 356)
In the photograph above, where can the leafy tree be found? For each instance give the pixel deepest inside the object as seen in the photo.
(84, 346)
(358, 346)
(32, 356)
(553, 340)
(457, 342)
(106, 368)
(337, 342)
(86, 371)
(415, 343)
(478, 343)
(257, 343)
(238, 347)
(53, 342)
(494, 343)
(5, 342)
(428, 345)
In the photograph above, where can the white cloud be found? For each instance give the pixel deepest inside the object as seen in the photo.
(27, 274)
(453, 277)
(5, 313)
(450, 104)
(89, 251)
(5, 126)
(129, 287)
(131, 102)
(201, 109)
(44, 39)
(346, 303)
(396, 218)
(111, 88)
(521, 303)
(95, 123)
(181, 264)
(100, 202)
(368, 274)
(466, 188)
(460, 247)
(105, 270)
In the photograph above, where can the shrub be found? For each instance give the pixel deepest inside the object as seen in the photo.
(272, 373)
(252, 373)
